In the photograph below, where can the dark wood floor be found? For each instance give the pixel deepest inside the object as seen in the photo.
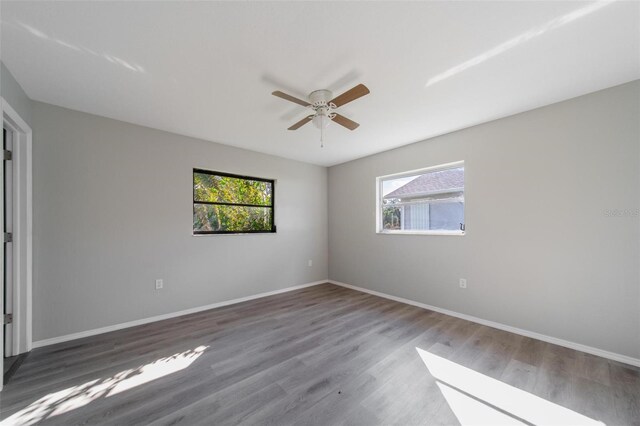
(10, 366)
(323, 355)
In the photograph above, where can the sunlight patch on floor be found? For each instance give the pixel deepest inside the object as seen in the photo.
(477, 399)
(470, 411)
(69, 399)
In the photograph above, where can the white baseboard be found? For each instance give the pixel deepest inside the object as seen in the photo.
(572, 345)
(560, 342)
(87, 333)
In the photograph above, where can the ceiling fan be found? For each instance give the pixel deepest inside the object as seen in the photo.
(324, 105)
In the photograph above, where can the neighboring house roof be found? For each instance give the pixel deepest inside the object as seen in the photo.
(450, 180)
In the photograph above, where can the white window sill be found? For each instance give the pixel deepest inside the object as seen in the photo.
(451, 233)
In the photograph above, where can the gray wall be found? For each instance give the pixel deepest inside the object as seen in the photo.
(11, 91)
(540, 252)
(113, 212)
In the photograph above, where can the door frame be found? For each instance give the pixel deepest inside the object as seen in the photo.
(22, 231)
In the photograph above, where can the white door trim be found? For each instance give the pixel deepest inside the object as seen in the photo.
(22, 228)
(8, 349)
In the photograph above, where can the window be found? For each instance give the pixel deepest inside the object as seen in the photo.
(427, 201)
(230, 204)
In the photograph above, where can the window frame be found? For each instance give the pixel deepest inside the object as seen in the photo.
(272, 206)
(379, 216)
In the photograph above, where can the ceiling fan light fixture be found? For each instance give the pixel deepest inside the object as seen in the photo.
(321, 121)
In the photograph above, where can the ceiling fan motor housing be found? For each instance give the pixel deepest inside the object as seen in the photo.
(320, 103)
(320, 98)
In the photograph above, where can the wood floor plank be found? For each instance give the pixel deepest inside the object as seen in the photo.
(596, 401)
(323, 355)
(625, 381)
(530, 351)
(593, 368)
(520, 375)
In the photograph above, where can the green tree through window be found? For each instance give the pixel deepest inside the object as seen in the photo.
(226, 204)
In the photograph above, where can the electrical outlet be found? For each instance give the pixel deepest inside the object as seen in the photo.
(159, 284)
(310, 262)
(463, 283)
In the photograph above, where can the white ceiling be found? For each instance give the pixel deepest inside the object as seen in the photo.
(207, 69)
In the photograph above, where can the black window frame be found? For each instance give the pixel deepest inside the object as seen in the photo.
(225, 174)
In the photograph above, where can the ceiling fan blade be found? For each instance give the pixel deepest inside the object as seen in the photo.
(301, 123)
(290, 98)
(344, 121)
(351, 95)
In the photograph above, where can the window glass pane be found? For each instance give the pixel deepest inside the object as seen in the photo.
(416, 217)
(423, 202)
(391, 217)
(446, 216)
(226, 189)
(222, 218)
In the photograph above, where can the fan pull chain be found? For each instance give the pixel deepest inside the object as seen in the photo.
(322, 137)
